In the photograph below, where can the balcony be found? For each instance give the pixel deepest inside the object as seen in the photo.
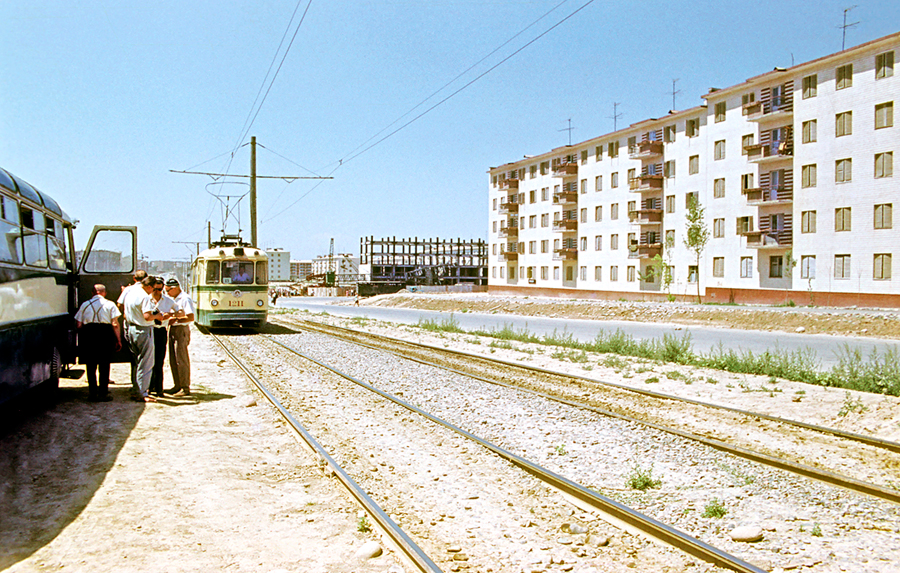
(646, 150)
(768, 239)
(646, 182)
(509, 252)
(509, 185)
(772, 196)
(777, 108)
(565, 254)
(511, 206)
(646, 216)
(565, 225)
(509, 232)
(769, 152)
(565, 197)
(566, 169)
(644, 250)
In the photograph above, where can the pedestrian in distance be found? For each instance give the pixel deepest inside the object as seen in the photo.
(179, 339)
(97, 321)
(166, 306)
(140, 311)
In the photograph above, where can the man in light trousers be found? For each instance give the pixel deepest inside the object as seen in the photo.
(140, 312)
(179, 339)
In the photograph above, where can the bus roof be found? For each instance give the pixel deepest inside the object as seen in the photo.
(26, 191)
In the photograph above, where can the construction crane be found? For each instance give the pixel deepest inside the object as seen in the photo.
(329, 275)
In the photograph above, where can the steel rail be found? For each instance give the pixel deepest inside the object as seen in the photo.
(618, 513)
(853, 436)
(824, 476)
(407, 547)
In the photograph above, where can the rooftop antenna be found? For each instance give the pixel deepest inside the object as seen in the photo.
(569, 129)
(674, 93)
(615, 116)
(845, 26)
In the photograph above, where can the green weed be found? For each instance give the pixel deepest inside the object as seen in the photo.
(641, 479)
(714, 509)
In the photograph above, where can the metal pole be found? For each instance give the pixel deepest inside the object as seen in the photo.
(253, 242)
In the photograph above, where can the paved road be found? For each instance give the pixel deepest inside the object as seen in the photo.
(826, 347)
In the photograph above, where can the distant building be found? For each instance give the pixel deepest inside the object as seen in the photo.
(345, 266)
(423, 261)
(300, 270)
(279, 265)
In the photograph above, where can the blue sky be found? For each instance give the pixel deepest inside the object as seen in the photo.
(100, 99)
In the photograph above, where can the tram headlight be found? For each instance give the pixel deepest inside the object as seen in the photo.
(260, 302)
(214, 302)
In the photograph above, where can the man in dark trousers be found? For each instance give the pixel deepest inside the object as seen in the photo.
(98, 338)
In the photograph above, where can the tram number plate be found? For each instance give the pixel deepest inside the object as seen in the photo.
(235, 303)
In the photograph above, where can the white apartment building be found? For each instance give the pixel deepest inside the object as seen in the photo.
(300, 270)
(345, 266)
(279, 265)
(793, 170)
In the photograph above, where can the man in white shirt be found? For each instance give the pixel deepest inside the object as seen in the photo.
(179, 339)
(138, 276)
(165, 305)
(98, 338)
(140, 311)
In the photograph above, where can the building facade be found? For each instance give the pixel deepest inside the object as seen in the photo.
(279, 265)
(300, 270)
(793, 172)
(423, 261)
(344, 265)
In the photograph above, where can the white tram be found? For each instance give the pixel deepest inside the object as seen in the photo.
(229, 284)
(42, 281)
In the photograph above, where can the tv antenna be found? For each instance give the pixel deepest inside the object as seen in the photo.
(674, 93)
(615, 116)
(846, 25)
(569, 129)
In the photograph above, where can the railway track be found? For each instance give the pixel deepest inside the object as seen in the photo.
(585, 498)
(870, 457)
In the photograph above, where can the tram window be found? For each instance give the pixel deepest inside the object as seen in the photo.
(56, 242)
(237, 272)
(110, 252)
(10, 232)
(262, 275)
(212, 272)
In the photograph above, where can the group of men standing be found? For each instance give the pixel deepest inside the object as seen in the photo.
(153, 320)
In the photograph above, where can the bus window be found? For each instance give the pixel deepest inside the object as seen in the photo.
(212, 272)
(110, 251)
(10, 232)
(35, 241)
(56, 241)
(262, 276)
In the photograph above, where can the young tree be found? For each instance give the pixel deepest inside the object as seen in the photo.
(697, 235)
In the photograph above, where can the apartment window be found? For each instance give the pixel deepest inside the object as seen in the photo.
(630, 274)
(598, 274)
(555, 244)
(809, 131)
(545, 220)
(521, 222)
(583, 273)
(614, 180)
(631, 175)
(719, 188)
(670, 203)
(669, 133)
(632, 207)
(544, 273)
(720, 112)
(598, 242)
(842, 219)
(532, 247)
(842, 266)
(843, 123)
(494, 248)
(747, 181)
(843, 170)
(598, 183)
(884, 65)
(598, 213)
(495, 227)
(495, 204)
(545, 193)
(614, 242)
(718, 228)
(744, 225)
(612, 148)
(584, 215)
(748, 98)
(719, 150)
(693, 274)
(808, 222)
(570, 273)
(583, 244)
(694, 165)
(884, 216)
(884, 115)
(632, 144)
(882, 267)
(669, 168)
(746, 141)
(844, 77)
(502, 271)
(670, 237)
(583, 156)
(545, 244)
(776, 266)
(808, 175)
(532, 196)
(614, 273)
(884, 164)
(532, 222)
(632, 241)
(584, 186)
(545, 167)
(718, 266)
(532, 172)
(692, 127)
(810, 86)
(746, 267)
(808, 267)
(556, 273)
(614, 211)
(692, 197)
(598, 153)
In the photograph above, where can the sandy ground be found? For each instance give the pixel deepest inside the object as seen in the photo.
(207, 483)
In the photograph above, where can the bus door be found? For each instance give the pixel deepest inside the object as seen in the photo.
(109, 259)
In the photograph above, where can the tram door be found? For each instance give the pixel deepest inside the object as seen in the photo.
(109, 259)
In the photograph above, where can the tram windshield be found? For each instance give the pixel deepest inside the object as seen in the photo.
(237, 272)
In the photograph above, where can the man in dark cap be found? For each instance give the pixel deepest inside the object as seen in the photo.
(179, 339)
